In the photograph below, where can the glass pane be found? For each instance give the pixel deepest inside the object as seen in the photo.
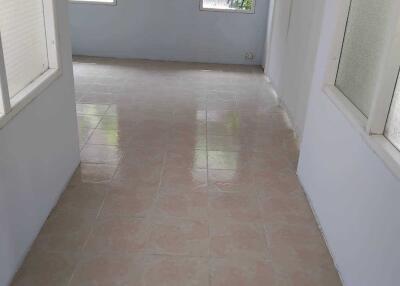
(24, 42)
(366, 34)
(392, 131)
(245, 5)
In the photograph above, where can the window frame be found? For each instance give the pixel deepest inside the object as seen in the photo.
(372, 128)
(98, 2)
(9, 107)
(252, 11)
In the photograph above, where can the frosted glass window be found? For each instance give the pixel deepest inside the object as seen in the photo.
(392, 130)
(23, 35)
(366, 34)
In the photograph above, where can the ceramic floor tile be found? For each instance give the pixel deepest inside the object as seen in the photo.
(231, 181)
(278, 183)
(109, 137)
(223, 160)
(114, 123)
(133, 186)
(178, 236)
(239, 272)
(101, 154)
(183, 180)
(183, 205)
(232, 239)
(41, 268)
(91, 109)
(288, 209)
(93, 173)
(118, 235)
(225, 143)
(84, 134)
(143, 156)
(83, 196)
(69, 224)
(186, 142)
(133, 205)
(108, 270)
(194, 159)
(131, 173)
(175, 271)
(88, 121)
(234, 207)
(188, 179)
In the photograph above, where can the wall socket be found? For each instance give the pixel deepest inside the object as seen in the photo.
(249, 56)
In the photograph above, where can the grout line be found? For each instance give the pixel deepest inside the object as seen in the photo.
(208, 201)
(81, 254)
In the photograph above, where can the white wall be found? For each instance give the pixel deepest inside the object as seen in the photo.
(295, 31)
(355, 196)
(268, 36)
(279, 31)
(168, 30)
(38, 154)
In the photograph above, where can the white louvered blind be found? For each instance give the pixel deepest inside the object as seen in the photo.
(23, 34)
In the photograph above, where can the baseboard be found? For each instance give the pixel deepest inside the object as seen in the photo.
(284, 107)
(310, 203)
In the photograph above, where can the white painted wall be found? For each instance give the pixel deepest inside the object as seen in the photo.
(168, 30)
(267, 44)
(355, 196)
(38, 154)
(295, 31)
(279, 31)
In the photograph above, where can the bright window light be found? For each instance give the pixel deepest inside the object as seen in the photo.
(112, 2)
(246, 6)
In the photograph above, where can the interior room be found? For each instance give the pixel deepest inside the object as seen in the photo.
(199, 143)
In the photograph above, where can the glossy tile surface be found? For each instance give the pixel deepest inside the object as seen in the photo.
(188, 178)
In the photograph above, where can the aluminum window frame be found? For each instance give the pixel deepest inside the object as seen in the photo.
(9, 107)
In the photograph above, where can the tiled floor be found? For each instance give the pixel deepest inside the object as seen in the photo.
(187, 179)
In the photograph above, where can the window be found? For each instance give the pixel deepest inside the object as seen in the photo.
(392, 130)
(28, 58)
(363, 78)
(366, 35)
(108, 2)
(245, 6)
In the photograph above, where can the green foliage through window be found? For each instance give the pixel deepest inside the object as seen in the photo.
(241, 4)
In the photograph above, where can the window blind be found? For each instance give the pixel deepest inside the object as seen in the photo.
(23, 34)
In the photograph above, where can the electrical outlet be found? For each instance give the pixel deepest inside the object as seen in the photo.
(249, 56)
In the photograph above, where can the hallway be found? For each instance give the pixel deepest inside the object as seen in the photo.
(187, 179)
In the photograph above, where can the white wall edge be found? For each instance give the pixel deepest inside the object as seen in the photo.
(330, 249)
(22, 259)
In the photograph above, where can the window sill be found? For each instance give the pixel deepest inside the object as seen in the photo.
(377, 143)
(29, 93)
(224, 10)
(114, 3)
